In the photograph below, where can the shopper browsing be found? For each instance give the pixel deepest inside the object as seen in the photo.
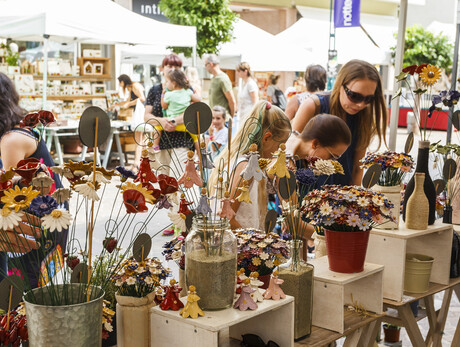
(175, 101)
(218, 132)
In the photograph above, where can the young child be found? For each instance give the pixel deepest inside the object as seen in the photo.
(175, 100)
(218, 132)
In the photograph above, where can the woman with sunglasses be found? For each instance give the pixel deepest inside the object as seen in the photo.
(357, 98)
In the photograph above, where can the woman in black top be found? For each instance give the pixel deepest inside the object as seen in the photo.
(17, 144)
(173, 144)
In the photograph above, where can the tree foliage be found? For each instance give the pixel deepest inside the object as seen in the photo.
(213, 20)
(424, 47)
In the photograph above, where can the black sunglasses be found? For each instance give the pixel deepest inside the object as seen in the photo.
(357, 97)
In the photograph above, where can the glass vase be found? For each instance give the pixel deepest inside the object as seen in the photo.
(210, 262)
(298, 282)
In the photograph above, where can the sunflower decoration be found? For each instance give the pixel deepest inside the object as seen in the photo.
(430, 74)
(19, 198)
(149, 196)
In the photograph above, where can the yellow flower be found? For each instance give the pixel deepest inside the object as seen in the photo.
(256, 261)
(430, 74)
(338, 167)
(277, 262)
(146, 193)
(19, 198)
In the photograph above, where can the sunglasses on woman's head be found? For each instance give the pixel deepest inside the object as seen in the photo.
(357, 97)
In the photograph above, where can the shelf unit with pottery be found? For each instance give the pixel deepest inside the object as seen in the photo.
(272, 320)
(389, 248)
(333, 291)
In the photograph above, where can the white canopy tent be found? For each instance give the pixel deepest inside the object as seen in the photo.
(312, 32)
(101, 21)
(262, 50)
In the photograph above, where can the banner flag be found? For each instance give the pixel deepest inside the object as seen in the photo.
(346, 13)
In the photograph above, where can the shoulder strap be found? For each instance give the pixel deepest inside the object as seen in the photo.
(317, 102)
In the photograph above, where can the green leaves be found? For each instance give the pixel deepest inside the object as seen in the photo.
(213, 20)
(402, 76)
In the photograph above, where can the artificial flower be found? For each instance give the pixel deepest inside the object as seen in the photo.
(18, 198)
(244, 193)
(26, 168)
(125, 173)
(410, 69)
(42, 180)
(178, 219)
(430, 74)
(263, 163)
(305, 176)
(323, 167)
(148, 194)
(134, 201)
(252, 169)
(163, 202)
(9, 219)
(279, 167)
(61, 195)
(42, 205)
(87, 190)
(168, 184)
(46, 117)
(100, 178)
(58, 219)
(190, 176)
(29, 121)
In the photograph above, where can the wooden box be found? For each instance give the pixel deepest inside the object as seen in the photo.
(273, 320)
(333, 290)
(105, 68)
(389, 248)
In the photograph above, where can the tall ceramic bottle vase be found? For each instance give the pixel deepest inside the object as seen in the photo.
(417, 209)
(428, 186)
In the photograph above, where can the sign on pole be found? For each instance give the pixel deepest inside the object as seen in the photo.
(346, 13)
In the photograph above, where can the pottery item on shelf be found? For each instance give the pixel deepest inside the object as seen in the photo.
(245, 301)
(191, 308)
(428, 186)
(393, 194)
(417, 208)
(274, 291)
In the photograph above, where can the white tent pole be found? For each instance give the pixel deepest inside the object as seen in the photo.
(454, 74)
(194, 55)
(45, 68)
(398, 67)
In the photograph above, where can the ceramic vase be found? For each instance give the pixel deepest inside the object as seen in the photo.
(447, 215)
(133, 320)
(320, 246)
(393, 194)
(417, 207)
(428, 186)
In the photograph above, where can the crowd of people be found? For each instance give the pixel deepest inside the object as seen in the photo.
(354, 111)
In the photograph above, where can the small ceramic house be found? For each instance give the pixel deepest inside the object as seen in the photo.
(88, 68)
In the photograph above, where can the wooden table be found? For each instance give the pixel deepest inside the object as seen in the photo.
(360, 331)
(399, 313)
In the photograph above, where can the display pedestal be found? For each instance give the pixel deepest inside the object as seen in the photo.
(389, 248)
(273, 320)
(333, 290)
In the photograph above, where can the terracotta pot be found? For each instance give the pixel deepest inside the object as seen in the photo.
(346, 251)
(391, 333)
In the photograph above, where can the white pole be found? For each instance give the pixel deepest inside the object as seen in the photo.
(398, 67)
(45, 68)
(194, 55)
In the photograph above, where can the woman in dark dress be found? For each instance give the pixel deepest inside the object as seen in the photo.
(17, 144)
(357, 98)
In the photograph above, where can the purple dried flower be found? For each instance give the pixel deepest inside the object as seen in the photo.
(305, 176)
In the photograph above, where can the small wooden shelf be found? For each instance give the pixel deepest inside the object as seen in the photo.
(105, 62)
(94, 78)
(67, 97)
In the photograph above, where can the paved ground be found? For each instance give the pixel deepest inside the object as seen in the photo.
(112, 199)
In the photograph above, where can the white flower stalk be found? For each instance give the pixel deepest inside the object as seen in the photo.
(9, 219)
(62, 171)
(42, 180)
(178, 219)
(61, 195)
(87, 190)
(100, 178)
(323, 167)
(58, 219)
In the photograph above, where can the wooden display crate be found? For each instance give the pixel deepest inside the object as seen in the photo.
(389, 248)
(94, 60)
(333, 291)
(273, 320)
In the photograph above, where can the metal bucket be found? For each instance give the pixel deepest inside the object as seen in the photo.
(74, 325)
(417, 273)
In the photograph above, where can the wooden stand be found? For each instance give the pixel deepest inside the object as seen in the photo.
(333, 290)
(273, 320)
(389, 248)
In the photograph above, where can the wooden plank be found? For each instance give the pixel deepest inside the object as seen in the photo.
(431, 314)
(390, 252)
(76, 78)
(411, 325)
(323, 273)
(352, 340)
(440, 249)
(366, 292)
(456, 339)
(404, 233)
(442, 317)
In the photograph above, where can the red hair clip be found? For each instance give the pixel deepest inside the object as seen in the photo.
(268, 106)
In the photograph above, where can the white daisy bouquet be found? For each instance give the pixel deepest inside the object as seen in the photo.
(138, 279)
(346, 208)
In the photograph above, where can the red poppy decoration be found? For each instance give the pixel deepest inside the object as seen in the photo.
(145, 173)
(168, 184)
(134, 201)
(5, 186)
(26, 168)
(30, 121)
(410, 69)
(421, 67)
(46, 117)
(156, 193)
